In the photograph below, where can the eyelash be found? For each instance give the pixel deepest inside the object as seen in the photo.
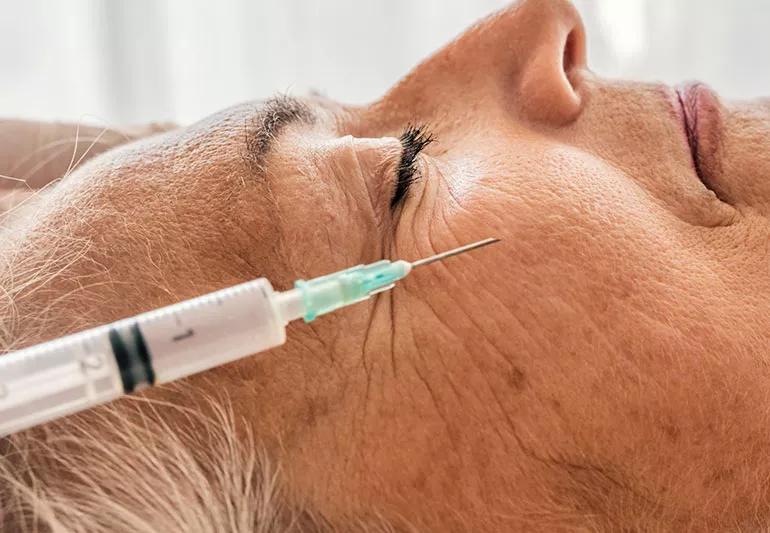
(413, 140)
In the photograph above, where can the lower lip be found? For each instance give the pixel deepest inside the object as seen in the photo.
(702, 120)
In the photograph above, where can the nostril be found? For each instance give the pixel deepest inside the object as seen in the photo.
(568, 58)
(574, 51)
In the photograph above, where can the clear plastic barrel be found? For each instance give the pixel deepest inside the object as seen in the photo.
(212, 330)
(57, 378)
(79, 371)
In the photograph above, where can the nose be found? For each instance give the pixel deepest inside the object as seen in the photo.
(525, 60)
(536, 50)
(551, 37)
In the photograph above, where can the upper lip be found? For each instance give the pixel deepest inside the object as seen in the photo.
(702, 124)
(690, 119)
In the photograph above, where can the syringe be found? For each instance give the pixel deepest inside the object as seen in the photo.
(82, 370)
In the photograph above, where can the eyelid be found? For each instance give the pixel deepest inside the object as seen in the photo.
(376, 161)
(413, 141)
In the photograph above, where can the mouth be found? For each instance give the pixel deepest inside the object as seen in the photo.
(701, 118)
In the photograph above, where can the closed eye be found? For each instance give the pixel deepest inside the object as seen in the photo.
(413, 140)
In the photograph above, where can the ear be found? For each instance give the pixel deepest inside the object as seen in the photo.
(32, 154)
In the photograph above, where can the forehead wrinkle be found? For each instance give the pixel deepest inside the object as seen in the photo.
(273, 117)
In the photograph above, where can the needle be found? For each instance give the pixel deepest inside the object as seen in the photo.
(456, 251)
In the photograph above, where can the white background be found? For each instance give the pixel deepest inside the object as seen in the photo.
(129, 61)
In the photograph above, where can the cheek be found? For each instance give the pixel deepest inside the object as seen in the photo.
(587, 253)
(602, 303)
(742, 174)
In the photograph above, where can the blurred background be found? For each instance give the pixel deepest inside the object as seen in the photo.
(129, 61)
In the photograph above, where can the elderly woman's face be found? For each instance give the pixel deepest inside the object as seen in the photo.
(607, 358)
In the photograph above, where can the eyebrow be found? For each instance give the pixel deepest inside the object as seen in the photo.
(273, 117)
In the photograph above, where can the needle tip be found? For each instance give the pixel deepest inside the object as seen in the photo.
(456, 251)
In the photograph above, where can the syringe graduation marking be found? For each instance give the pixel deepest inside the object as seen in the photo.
(182, 336)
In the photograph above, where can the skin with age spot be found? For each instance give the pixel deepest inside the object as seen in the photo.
(603, 367)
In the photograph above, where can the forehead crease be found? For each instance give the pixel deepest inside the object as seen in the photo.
(274, 116)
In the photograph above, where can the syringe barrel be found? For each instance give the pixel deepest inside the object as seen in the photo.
(95, 366)
(211, 330)
(57, 378)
